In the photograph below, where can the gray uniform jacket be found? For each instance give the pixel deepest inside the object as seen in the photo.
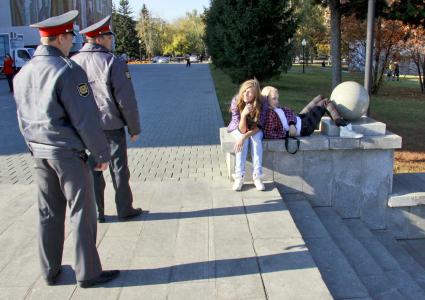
(57, 113)
(113, 90)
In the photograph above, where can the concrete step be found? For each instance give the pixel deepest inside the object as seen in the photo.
(416, 248)
(338, 274)
(404, 257)
(356, 262)
(395, 274)
(370, 273)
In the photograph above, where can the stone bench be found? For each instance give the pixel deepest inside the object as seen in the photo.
(407, 203)
(353, 175)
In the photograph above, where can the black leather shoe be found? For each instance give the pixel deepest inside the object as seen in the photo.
(105, 276)
(101, 219)
(133, 213)
(341, 122)
(52, 280)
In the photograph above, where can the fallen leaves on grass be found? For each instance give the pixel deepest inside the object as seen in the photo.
(409, 162)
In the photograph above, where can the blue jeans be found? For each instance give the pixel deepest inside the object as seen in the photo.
(256, 154)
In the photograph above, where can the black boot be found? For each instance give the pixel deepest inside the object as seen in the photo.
(132, 214)
(340, 122)
(105, 276)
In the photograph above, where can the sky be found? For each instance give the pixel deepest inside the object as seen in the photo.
(168, 10)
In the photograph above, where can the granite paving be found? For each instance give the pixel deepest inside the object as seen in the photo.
(199, 239)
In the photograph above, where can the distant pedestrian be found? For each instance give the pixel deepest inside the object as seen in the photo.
(396, 71)
(114, 94)
(390, 72)
(9, 71)
(188, 61)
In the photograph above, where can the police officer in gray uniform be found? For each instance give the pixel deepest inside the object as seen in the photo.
(59, 120)
(113, 91)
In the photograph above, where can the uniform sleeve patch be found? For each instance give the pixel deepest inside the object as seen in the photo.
(128, 75)
(83, 89)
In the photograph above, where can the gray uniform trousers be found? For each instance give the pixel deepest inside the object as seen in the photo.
(120, 175)
(60, 182)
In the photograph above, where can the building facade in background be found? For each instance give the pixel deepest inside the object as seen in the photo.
(17, 15)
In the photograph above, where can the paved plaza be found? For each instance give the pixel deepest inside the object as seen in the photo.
(200, 240)
(180, 118)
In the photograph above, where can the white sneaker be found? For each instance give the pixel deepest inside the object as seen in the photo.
(347, 132)
(259, 185)
(237, 185)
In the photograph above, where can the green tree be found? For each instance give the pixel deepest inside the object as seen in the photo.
(250, 38)
(408, 11)
(311, 27)
(187, 35)
(126, 40)
(336, 9)
(151, 32)
(143, 29)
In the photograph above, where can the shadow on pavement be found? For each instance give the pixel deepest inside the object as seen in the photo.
(214, 212)
(215, 269)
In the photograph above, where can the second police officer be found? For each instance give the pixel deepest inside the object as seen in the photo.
(113, 91)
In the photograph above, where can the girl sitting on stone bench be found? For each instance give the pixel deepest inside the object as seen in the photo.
(248, 118)
(282, 122)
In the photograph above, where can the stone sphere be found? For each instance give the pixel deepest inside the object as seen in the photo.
(350, 99)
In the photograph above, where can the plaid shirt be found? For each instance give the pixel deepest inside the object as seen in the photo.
(273, 129)
(236, 115)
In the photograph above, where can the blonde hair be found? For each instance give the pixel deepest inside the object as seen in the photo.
(252, 83)
(267, 90)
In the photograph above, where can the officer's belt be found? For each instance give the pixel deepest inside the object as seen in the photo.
(54, 152)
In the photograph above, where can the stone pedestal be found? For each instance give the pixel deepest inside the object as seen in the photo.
(352, 175)
(365, 125)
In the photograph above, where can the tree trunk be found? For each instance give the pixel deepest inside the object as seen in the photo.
(421, 78)
(417, 60)
(335, 42)
(377, 54)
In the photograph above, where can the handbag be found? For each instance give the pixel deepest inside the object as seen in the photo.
(287, 144)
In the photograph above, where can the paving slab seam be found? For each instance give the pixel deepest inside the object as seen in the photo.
(73, 292)
(29, 290)
(170, 274)
(133, 254)
(210, 230)
(211, 249)
(358, 298)
(23, 213)
(23, 248)
(99, 238)
(255, 251)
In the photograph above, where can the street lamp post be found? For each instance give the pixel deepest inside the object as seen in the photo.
(369, 48)
(140, 50)
(303, 43)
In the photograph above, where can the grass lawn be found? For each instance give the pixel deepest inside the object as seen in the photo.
(399, 104)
